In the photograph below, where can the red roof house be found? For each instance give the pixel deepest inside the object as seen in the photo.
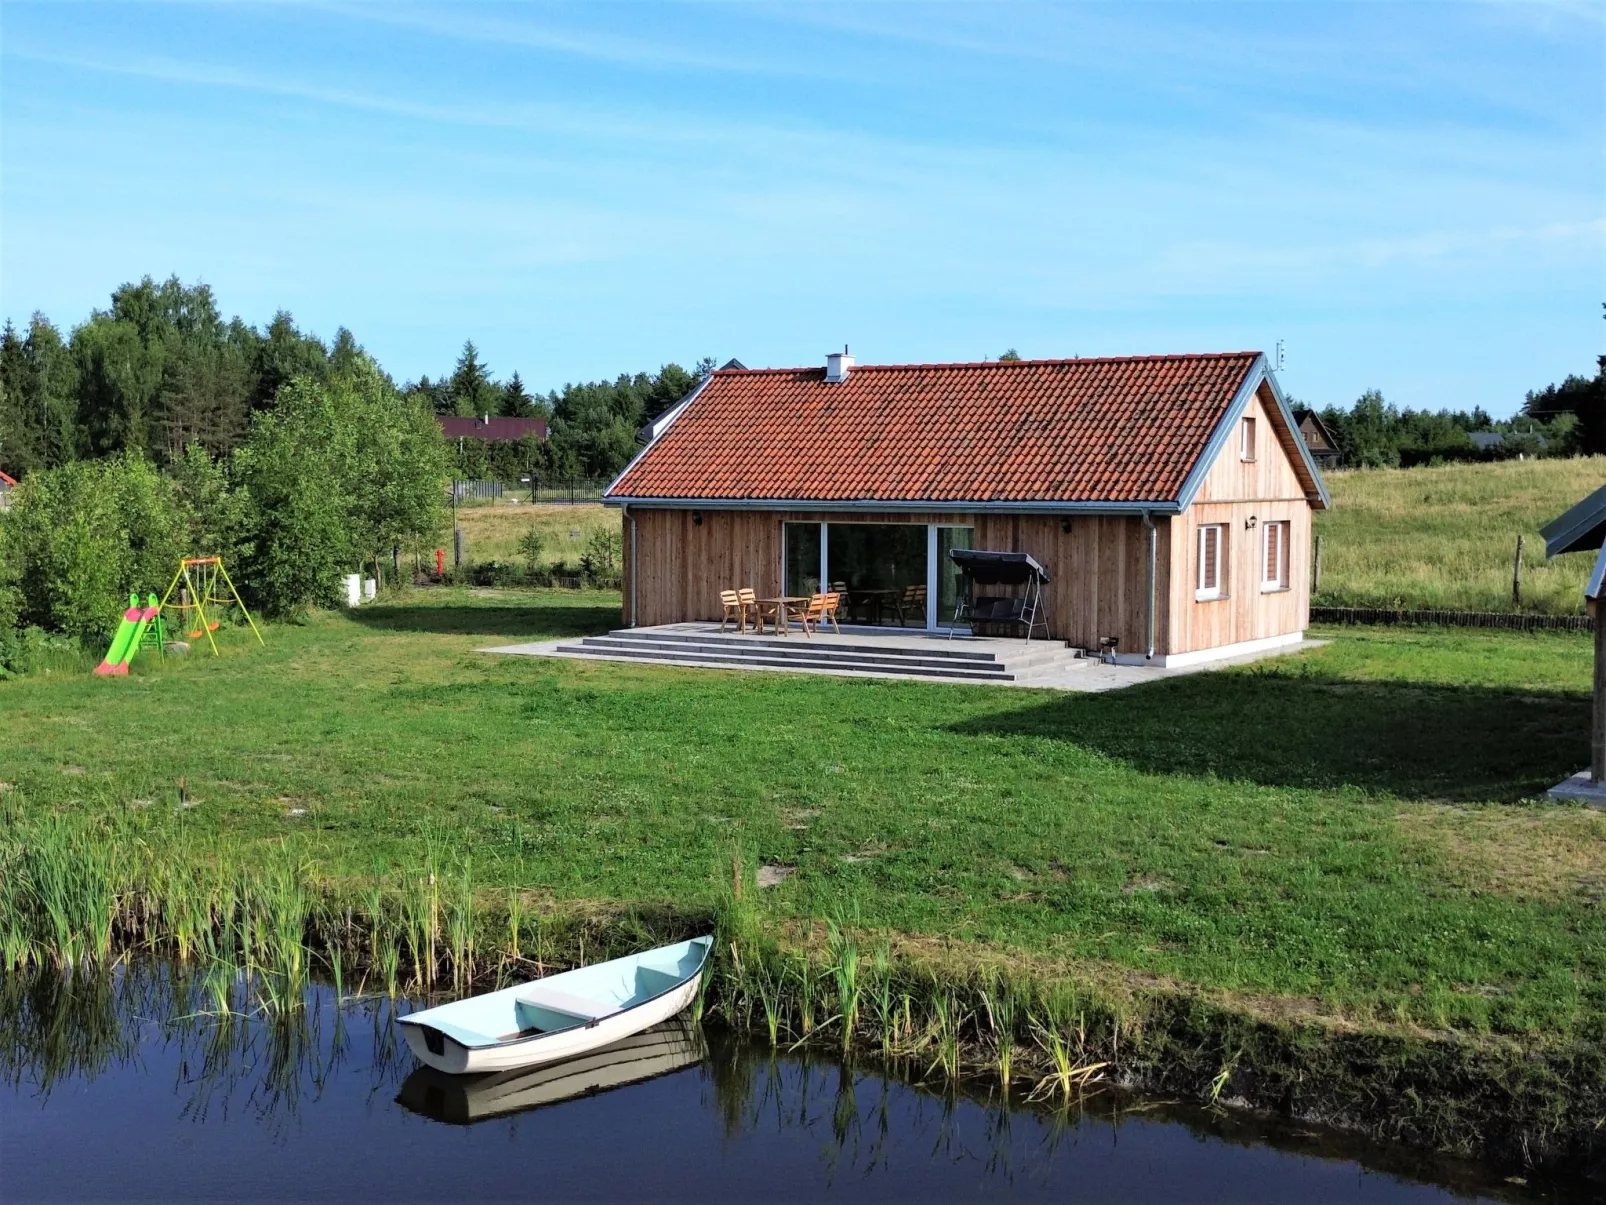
(1168, 497)
(491, 427)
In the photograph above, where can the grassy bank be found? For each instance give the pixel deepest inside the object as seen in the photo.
(1346, 843)
(1446, 537)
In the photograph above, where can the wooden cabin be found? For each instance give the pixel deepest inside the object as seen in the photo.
(1169, 497)
(1319, 438)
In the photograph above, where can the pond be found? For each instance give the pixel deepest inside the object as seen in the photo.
(124, 1086)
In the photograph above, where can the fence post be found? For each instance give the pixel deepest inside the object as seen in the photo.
(1316, 569)
(1516, 576)
(457, 547)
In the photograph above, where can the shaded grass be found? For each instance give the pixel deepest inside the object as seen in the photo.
(1445, 537)
(1254, 831)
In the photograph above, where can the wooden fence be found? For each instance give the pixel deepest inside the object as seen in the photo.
(1461, 619)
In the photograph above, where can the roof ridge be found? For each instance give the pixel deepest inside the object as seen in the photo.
(1147, 359)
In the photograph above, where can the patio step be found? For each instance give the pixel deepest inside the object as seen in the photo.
(812, 655)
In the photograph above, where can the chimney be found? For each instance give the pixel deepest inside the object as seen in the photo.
(838, 365)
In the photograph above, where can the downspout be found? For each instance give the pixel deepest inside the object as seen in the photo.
(1153, 559)
(633, 566)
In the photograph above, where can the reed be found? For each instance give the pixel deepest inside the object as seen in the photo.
(843, 955)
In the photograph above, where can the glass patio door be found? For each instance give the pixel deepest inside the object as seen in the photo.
(880, 569)
(947, 573)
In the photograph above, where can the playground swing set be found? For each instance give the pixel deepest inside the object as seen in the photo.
(205, 592)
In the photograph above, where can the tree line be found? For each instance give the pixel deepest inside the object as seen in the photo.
(1566, 419)
(160, 369)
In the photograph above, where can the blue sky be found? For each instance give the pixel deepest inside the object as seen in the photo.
(1410, 196)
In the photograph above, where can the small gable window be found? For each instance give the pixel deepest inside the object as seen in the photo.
(1212, 552)
(1246, 446)
(1274, 562)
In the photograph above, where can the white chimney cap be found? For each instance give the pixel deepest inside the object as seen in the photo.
(837, 365)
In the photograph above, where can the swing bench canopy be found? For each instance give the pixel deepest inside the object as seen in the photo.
(987, 568)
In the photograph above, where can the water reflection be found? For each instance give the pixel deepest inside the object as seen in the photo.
(327, 1101)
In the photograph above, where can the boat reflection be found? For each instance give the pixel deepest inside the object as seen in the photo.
(465, 1099)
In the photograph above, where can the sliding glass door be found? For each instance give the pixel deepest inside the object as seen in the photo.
(894, 575)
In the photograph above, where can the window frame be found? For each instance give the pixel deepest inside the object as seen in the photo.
(1218, 591)
(1280, 581)
(1247, 434)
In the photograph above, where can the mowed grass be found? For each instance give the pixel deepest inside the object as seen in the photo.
(1446, 537)
(1354, 830)
(493, 532)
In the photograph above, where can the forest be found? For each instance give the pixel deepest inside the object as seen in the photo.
(161, 369)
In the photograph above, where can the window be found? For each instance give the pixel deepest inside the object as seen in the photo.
(1212, 551)
(1246, 449)
(1274, 561)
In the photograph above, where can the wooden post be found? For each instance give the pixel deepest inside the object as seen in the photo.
(457, 547)
(1597, 718)
(1316, 568)
(1516, 576)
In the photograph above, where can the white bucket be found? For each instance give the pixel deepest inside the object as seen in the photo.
(353, 589)
(369, 588)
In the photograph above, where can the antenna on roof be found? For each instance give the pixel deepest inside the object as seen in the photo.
(1277, 364)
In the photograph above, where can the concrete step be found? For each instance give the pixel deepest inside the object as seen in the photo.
(937, 647)
(858, 656)
(666, 653)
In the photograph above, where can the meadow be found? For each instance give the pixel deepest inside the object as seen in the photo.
(493, 532)
(1354, 832)
(1445, 537)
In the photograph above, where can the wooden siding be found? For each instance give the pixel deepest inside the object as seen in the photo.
(1098, 569)
(1265, 490)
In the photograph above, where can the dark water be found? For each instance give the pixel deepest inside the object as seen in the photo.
(118, 1089)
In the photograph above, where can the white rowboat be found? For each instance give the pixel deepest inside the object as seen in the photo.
(559, 1017)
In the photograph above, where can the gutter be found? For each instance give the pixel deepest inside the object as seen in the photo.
(957, 506)
(1153, 560)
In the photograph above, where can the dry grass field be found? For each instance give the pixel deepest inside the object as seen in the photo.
(1445, 537)
(493, 532)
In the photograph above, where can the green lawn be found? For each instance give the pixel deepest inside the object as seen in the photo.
(1446, 536)
(1354, 828)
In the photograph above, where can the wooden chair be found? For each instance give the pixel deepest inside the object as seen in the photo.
(913, 600)
(748, 597)
(827, 609)
(731, 600)
(811, 612)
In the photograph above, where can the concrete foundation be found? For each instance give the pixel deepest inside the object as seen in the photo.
(1580, 788)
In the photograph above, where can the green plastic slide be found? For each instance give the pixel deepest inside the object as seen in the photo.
(126, 640)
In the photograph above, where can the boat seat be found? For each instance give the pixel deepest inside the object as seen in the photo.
(651, 981)
(559, 1001)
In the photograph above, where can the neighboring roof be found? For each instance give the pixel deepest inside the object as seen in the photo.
(1582, 527)
(1305, 417)
(491, 428)
(1132, 433)
(6, 480)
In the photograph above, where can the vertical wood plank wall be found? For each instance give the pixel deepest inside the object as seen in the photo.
(1098, 568)
(1267, 490)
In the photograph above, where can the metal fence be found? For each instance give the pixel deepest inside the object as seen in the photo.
(489, 490)
(1460, 619)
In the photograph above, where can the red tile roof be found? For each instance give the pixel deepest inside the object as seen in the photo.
(1112, 430)
(492, 428)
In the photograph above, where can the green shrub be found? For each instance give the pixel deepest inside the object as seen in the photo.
(78, 539)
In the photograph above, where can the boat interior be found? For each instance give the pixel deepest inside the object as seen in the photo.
(564, 1001)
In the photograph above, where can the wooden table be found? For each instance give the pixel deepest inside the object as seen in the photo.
(783, 604)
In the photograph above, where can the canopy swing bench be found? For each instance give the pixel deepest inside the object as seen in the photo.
(979, 567)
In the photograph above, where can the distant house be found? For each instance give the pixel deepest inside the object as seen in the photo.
(491, 428)
(1168, 497)
(1319, 439)
(7, 484)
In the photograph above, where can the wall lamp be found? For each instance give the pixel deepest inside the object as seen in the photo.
(1250, 522)
(1065, 526)
(697, 518)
